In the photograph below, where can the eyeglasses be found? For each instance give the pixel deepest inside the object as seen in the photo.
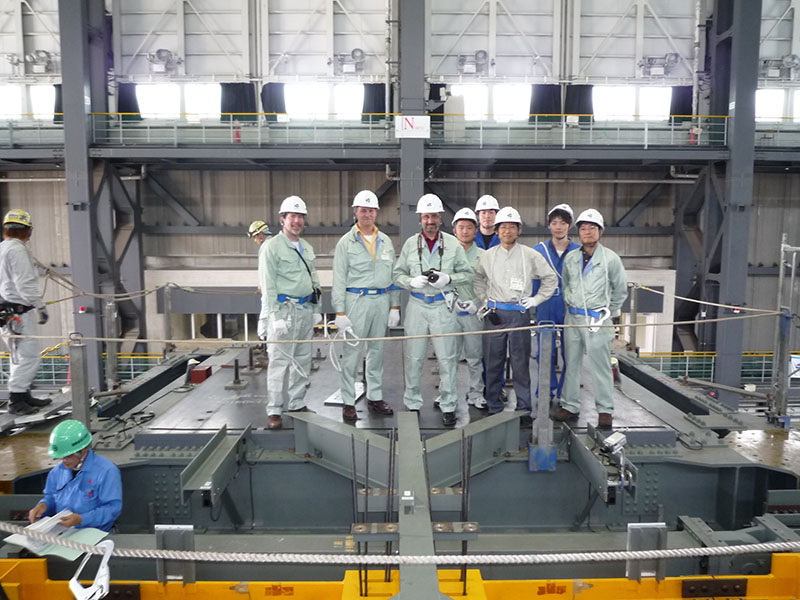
(587, 227)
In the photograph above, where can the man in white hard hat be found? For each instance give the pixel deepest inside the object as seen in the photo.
(21, 308)
(259, 232)
(291, 289)
(503, 283)
(485, 209)
(365, 302)
(432, 264)
(465, 226)
(554, 251)
(595, 286)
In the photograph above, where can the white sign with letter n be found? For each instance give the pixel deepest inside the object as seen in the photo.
(412, 126)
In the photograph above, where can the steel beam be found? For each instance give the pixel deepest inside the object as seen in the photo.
(79, 65)
(419, 582)
(215, 465)
(644, 203)
(159, 190)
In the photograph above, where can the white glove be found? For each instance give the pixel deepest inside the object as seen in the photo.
(279, 327)
(394, 317)
(419, 282)
(443, 280)
(530, 302)
(262, 328)
(317, 318)
(343, 323)
(483, 311)
(468, 307)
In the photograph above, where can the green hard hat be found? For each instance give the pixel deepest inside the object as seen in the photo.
(68, 438)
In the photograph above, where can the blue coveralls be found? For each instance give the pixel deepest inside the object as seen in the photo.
(552, 310)
(94, 492)
(495, 241)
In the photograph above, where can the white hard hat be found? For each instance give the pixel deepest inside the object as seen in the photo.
(429, 203)
(293, 204)
(366, 198)
(563, 208)
(507, 215)
(590, 215)
(464, 213)
(486, 202)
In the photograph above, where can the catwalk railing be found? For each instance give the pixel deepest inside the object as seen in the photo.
(268, 129)
(756, 366)
(54, 368)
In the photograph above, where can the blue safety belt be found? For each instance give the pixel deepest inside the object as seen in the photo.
(368, 291)
(462, 313)
(283, 298)
(585, 312)
(507, 306)
(428, 299)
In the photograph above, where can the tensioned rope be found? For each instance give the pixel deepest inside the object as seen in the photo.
(395, 338)
(382, 559)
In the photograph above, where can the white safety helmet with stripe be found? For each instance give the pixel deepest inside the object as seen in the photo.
(564, 208)
(429, 203)
(590, 215)
(293, 204)
(507, 215)
(17, 216)
(466, 214)
(257, 227)
(486, 202)
(367, 199)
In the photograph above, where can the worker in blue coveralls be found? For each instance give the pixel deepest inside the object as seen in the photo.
(486, 209)
(85, 483)
(559, 221)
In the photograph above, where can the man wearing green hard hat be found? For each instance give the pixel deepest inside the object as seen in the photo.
(85, 483)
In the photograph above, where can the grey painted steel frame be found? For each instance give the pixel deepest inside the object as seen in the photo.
(83, 77)
(744, 63)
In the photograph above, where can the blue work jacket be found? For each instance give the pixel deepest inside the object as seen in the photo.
(94, 492)
(552, 309)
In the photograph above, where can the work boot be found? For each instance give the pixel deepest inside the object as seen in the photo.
(562, 414)
(18, 406)
(605, 421)
(349, 413)
(449, 419)
(274, 422)
(34, 401)
(380, 407)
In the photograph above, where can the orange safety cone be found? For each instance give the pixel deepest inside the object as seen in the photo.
(236, 137)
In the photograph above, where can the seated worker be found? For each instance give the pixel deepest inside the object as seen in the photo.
(86, 483)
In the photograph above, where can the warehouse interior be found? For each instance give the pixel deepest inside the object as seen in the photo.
(679, 121)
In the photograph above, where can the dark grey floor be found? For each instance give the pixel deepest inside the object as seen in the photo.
(210, 405)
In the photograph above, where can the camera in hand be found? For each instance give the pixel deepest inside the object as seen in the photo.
(493, 318)
(432, 275)
(316, 295)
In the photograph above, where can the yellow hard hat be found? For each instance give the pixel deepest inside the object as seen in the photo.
(17, 216)
(257, 227)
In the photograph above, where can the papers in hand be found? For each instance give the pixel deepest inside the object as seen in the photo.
(52, 526)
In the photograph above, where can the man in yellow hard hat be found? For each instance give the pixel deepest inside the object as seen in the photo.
(21, 308)
(259, 232)
(85, 483)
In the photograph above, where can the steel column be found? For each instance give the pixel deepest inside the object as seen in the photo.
(80, 71)
(412, 102)
(744, 61)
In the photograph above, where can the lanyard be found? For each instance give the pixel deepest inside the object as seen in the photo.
(419, 250)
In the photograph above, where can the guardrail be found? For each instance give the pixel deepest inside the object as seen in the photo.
(756, 366)
(54, 368)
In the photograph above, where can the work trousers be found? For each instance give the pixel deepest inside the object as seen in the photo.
(370, 317)
(596, 346)
(25, 354)
(289, 361)
(471, 348)
(518, 344)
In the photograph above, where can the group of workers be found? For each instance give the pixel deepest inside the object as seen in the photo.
(479, 279)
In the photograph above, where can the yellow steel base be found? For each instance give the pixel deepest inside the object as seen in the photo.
(26, 579)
